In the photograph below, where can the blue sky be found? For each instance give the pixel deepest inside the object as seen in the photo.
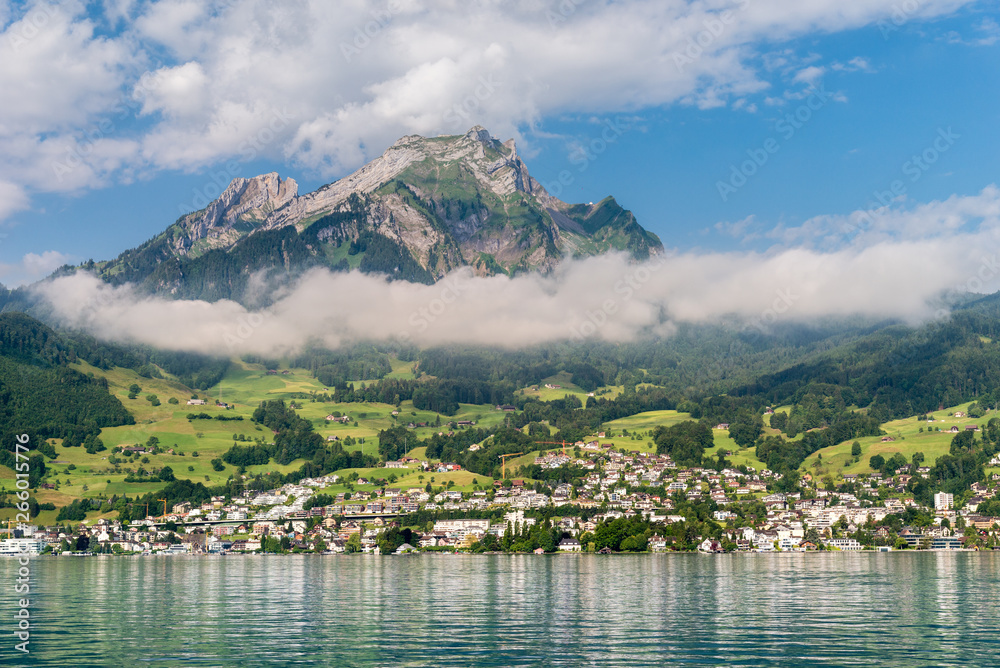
(117, 112)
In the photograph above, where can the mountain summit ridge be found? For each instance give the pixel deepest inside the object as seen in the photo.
(425, 207)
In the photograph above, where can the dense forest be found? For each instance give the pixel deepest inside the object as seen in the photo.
(41, 396)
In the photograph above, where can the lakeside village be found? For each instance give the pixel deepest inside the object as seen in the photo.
(699, 509)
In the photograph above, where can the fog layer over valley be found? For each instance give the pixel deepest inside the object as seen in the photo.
(609, 298)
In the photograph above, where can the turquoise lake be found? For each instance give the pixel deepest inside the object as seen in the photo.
(826, 609)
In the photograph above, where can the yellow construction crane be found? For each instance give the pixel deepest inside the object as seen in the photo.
(164, 507)
(503, 462)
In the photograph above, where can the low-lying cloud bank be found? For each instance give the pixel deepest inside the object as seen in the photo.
(605, 298)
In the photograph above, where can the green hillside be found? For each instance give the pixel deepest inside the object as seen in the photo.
(82, 400)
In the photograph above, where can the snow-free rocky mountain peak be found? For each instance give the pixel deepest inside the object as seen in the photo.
(423, 208)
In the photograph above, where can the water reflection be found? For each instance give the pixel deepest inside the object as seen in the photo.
(563, 610)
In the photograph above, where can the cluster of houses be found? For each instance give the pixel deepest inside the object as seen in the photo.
(614, 484)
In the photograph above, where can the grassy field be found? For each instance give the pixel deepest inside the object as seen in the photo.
(401, 369)
(194, 443)
(909, 436)
(645, 423)
(566, 387)
(410, 477)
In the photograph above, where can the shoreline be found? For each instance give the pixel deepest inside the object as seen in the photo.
(501, 554)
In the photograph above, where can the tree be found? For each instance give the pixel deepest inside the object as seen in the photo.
(876, 462)
(685, 442)
(353, 543)
(962, 442)
(390, 539)
(637, 543)
(746, 428)
(393, 442)
(92, 444)
(779, 421)
(856, 449)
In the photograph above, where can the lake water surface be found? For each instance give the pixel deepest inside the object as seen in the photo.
(832, 609)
